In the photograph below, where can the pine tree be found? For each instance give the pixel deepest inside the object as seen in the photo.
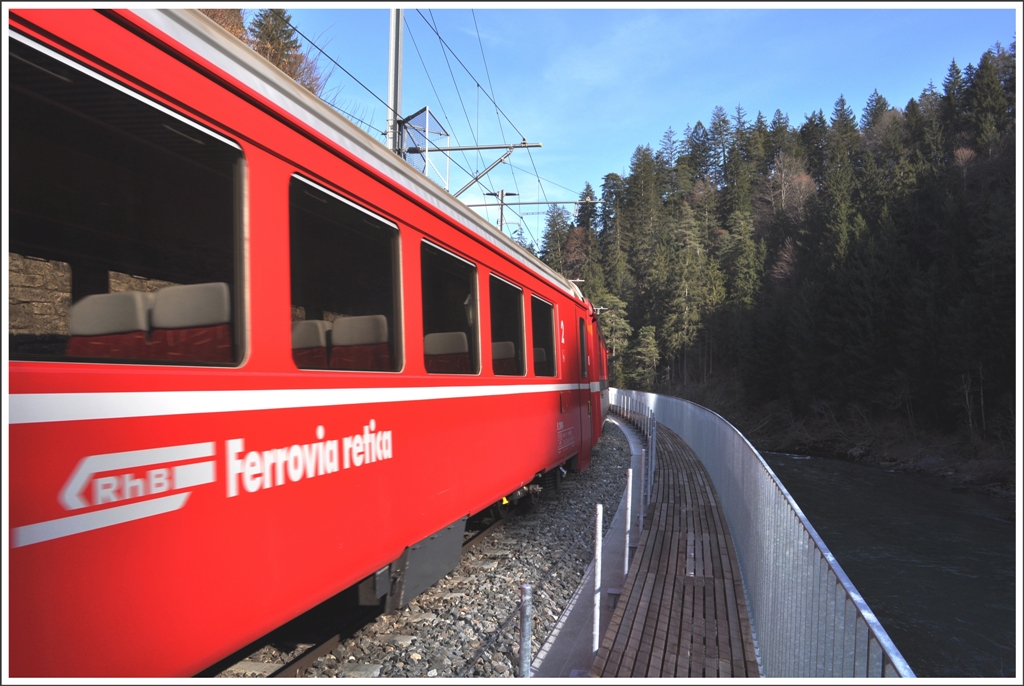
(781, 138)
(231, 19)
(876, 106)
(814, 137)
(274, 38)
(704, 201)
(556, 233)
(952, 107)
(666, 158)
(844, 126)
(757, 148)
(699, 156)
(1006, 68)
(587, 218)
(643, 228)
(736, 194)
(616, 329)
(699, 289)
(743, 259)
(720, 136)
(272, 35)
(614, 251)
(642, 360)
(986, 106)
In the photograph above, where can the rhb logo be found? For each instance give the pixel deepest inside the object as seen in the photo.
(122, 487)
(126, 481)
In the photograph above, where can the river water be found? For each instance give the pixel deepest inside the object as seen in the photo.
(937, 566)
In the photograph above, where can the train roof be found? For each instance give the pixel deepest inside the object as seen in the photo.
(208, 39)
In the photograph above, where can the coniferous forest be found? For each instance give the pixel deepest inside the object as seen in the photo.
(842, 272)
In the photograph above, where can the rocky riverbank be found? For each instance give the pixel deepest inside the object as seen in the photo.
(967, 462)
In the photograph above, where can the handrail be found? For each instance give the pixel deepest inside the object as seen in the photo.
(807, 617)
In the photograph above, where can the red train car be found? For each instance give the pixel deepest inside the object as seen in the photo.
(237, 321)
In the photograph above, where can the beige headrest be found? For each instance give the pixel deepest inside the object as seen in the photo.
(198, 304)
(503, 350)
(449, 343)
(109, 313)
(310, 334)
(366, 330)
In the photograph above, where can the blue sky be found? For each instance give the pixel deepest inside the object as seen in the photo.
(593, 84)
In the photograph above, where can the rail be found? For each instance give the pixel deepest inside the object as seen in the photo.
(808, 618)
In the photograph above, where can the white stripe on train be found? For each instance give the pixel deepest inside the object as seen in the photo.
(35, 408)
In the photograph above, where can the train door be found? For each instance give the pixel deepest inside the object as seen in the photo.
(586, 407)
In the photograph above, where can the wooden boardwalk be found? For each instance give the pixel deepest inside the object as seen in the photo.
(682, 612)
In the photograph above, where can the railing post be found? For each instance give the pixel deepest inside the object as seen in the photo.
(650, 475)
(597, 578)
(525, 631)
(643, 476)
(629, 521)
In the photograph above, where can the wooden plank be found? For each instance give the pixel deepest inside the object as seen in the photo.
(672, 646)
(614, 643)
(636, 633)
(665, 610)
(642, 658)
(682, 612)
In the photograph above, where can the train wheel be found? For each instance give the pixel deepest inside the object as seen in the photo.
(553, 479)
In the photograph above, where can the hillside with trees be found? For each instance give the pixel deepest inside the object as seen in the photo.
(270, 33)
(841, 285)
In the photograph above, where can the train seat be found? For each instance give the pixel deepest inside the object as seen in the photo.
(192, 323)
(309, 343)
(447, 353)
(360, 343)
(112, 325)
(503, 355)
(540, 362)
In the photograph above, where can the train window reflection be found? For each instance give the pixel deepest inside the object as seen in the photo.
(543, 314)
(124, 223)
(450, 318)
(506, 328)
(343, 276)
(583, 349)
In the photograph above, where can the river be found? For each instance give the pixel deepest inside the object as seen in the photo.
(937, 566)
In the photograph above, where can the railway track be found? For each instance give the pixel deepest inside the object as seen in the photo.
(460, 626)
(290, 650)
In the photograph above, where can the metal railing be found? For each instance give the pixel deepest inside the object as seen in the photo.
(807, 617)
(641, 417)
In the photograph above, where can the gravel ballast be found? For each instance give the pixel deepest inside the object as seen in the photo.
(472, 611)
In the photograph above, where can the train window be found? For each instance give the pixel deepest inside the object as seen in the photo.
(506, 328)
(449, 313)
(583, 349)
(543, 315)
(124, 223)
(344, 267)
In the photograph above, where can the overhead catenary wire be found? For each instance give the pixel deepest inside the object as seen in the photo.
(456, 84)
(446, 48)
(501, 127)
(335, 63)
(444, 112)
(476, 81)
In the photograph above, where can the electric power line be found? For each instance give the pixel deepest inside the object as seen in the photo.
(335, 63)
(445, 49)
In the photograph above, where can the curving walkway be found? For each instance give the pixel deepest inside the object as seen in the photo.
(682, 611)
